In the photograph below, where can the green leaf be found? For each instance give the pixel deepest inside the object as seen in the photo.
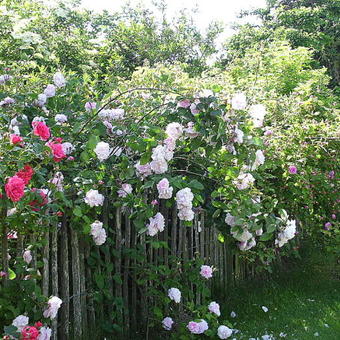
(266, 236)
(12, 274)
(196, 185)
(77, 211)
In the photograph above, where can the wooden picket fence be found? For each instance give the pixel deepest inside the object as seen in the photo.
(66, 273)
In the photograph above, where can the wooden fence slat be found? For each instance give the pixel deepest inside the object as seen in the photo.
(76, 297)
(64, 281)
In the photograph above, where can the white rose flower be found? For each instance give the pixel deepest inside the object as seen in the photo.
(54, 304)
(20, 322)
(49, 91)
(60, 118)
(59, 80)
(224, 332)
(239, 101)
(102, 151)
(174, 294)
(93, 198)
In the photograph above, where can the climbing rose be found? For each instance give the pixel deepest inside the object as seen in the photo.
(287, 234)
(4, 78)
(54, 304)
(90, 106)
(125, 190)
(244, 180)
(167, 323)
(224, 332)
(29, 332)
(57, 180)
(38, 324)
(144, 170)
(185, 103)
(174, 130)
(57, 151)
(41, 129)
(239, 101)
(7, 101)
(59, 80)
(20, 322)
(41, 201)
(164, 190)
(186, 215)
(42, 99)
(292, 169)
(25, 174)
(327, 225)
(193, 108)
(27, 256)
(67, 147)
(16, 139)
(190, 131)
(184, 198)
(93, 198)
(206, 272)
(230, 220)
(156, 224)
(49, 91)
(242, 237)
(214, 307)
(174, 294)
(259, 160)
(60, 118)
(197, 327)
(257, 113)
(98, 233)
(102, 150)
(238, 138)
(45, 333)
(15, 188)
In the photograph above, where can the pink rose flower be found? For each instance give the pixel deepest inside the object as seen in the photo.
(292, 170)
(30, 332)
(15, 188)
(184, 103)
(41, 130)
(206, 271)
(57, 151)
(16, 139)
(197, 327)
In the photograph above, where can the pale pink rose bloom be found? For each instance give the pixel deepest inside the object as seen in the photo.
(175, 294)
(156, 224)
(184, 103)
(206, 271)
(164, 189)
(167, 323)
(214, 307)
(27, 256)
(197, 327)
(54, 304)
(125, 190)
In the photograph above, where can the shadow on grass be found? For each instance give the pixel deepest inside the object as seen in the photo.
(303, 302)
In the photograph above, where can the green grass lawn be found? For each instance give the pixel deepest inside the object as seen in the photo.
(303, 303)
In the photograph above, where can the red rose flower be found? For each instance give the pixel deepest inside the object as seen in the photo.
(26, 174)
(30, 333)
(15, 188)
(16, 139)
(40, 202)
(42, 130)
(38, 324)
